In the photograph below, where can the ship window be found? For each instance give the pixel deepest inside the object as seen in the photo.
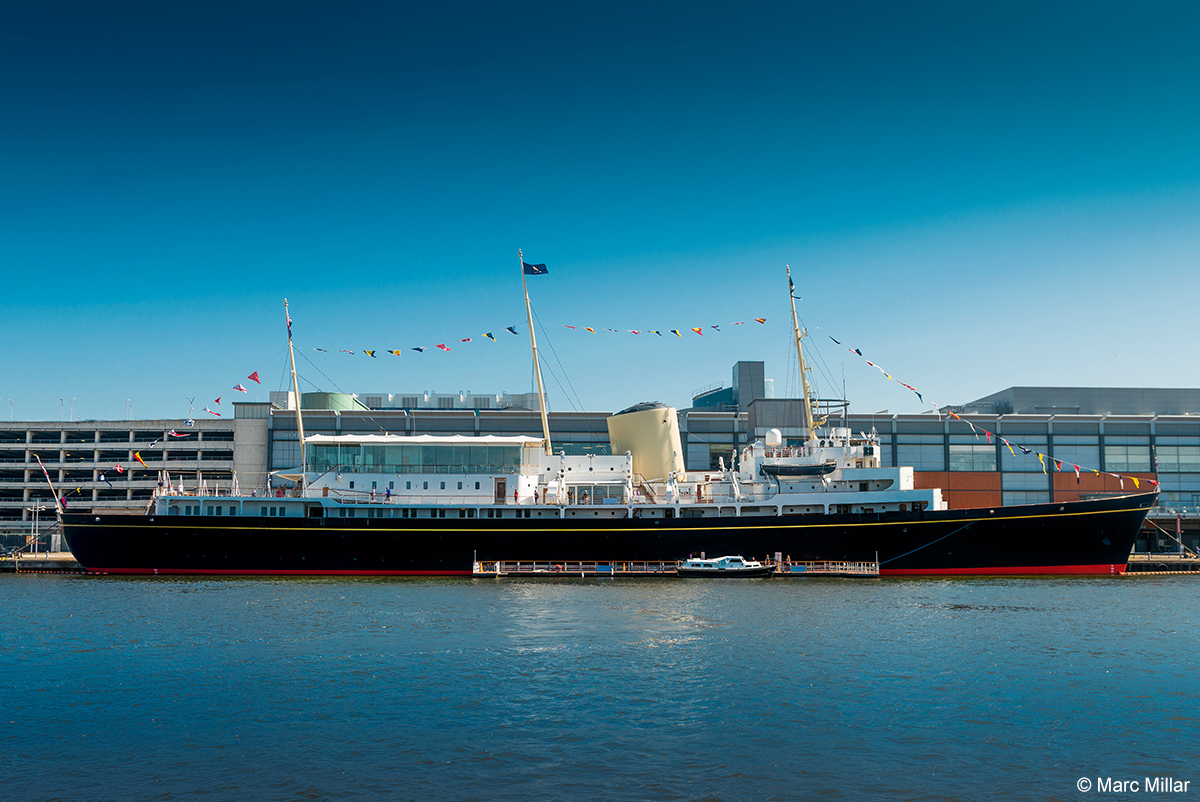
(863, 487)
(408, 485)
(352, 513)
(233, 510)
(491, 513)
(441, 513)
(391, 485)
(470, 513)
(460, 485)
(443, 487)
(173, 511)
(462, 513)
(264, 512)
(425, 485)
(351, 484)
(374, 485)
(477, 485)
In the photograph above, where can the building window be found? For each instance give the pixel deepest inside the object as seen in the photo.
(972, 457)
(1012, 497)
(1127, 458)
(1017, 460)
(1178, 459)
(921, 457)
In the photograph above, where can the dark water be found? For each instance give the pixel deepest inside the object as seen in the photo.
(189, 689)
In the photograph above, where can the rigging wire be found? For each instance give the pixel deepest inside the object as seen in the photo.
(577, 403)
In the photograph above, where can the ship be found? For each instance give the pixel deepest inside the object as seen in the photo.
(442, 505)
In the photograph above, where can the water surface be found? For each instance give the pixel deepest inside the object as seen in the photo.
(290, 689)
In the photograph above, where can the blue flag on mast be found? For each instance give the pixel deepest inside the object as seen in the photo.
(534, 270)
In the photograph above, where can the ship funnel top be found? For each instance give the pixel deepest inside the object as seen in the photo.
(642, 407)
(774, 438)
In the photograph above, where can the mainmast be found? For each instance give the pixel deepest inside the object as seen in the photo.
(808, 417)
(537, 370)
(296, 392)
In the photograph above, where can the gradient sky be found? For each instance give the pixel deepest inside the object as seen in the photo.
(976, 195)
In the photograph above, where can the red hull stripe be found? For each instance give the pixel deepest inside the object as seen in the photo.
(1017, 570)
(240, 572)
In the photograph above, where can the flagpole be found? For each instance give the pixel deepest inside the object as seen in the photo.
(296, 392)
(537, 370)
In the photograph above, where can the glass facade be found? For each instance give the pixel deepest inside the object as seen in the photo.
(360, 458)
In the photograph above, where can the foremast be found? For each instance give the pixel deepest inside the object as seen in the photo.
(804, 389)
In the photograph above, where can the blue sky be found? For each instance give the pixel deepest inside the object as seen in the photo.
(977, 196)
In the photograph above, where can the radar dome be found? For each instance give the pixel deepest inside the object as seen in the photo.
(774, 438)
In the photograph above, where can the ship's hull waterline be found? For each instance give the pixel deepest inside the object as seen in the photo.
(1084, 537)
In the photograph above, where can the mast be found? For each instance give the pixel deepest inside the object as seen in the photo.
(296, 393)
(808, 418)
(537, 370)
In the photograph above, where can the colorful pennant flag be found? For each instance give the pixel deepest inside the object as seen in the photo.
(240, 388)
(490, 336)
(676, 332)
(137, 455)
(443, 346)
(510, 329)
(370, 354)
(420, 349)
(254, 377)
(218, 401)
(118, 468)
(760, 320)
(699, 330)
